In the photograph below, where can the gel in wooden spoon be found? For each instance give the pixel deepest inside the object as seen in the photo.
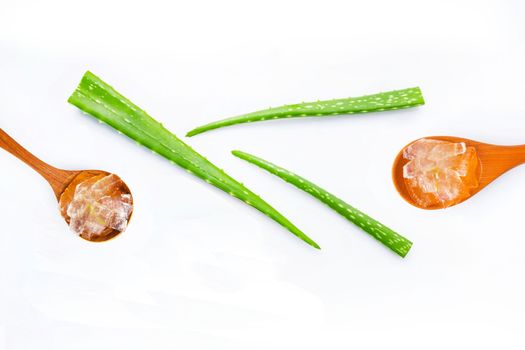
(97, 205)
(440, 171)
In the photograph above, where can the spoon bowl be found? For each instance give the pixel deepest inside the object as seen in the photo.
(68, 194)
(494, 160)
(65, 183)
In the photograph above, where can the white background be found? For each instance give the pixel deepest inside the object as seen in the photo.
(198, 269)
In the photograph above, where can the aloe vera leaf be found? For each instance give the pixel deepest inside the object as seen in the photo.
(100, 100)
(397, 243)
(384, 101)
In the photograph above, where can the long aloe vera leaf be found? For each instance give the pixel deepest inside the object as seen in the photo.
(397, 243)
(384, 101)
(97, 98)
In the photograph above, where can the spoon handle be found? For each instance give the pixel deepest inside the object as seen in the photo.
(57, 178)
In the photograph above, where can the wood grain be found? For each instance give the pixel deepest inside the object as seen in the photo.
(58, 179)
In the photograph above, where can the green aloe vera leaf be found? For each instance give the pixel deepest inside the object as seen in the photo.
(95, 97)
(397, 243)
(384, 101)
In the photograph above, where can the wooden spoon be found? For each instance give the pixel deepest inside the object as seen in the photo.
(64, 183)
(494, 160)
